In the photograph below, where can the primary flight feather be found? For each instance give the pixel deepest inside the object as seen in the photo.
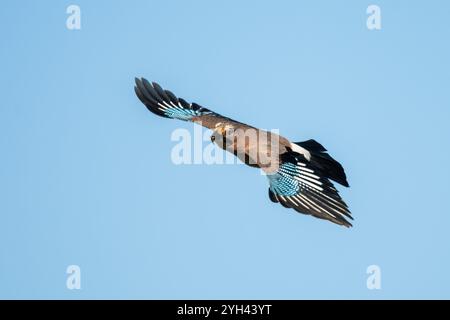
(299, 173)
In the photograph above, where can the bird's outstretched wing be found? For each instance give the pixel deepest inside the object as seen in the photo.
(165, 104)
(298, 184)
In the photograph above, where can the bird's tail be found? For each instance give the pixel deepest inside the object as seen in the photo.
(329, 167)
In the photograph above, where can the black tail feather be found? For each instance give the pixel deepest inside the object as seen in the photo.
(324, 162)
(311, 145)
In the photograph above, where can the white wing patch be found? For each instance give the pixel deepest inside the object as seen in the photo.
(301, 150)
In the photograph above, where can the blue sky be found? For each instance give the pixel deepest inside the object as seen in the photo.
(85, 171)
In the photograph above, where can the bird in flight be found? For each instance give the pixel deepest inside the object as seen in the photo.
(299, 173)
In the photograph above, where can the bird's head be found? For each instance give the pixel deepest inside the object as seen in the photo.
(222, 128)
(220, 132)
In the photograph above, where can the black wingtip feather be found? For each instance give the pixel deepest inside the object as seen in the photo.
(160, 91)
(151, 90)
(146, 97)
(272, 197)
(172, 97)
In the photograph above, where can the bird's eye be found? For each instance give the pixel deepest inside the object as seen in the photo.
(213, 138)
